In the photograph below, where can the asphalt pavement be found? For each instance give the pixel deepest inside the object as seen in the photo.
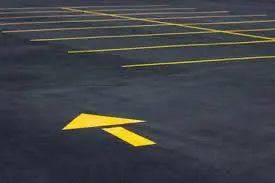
(137, 91)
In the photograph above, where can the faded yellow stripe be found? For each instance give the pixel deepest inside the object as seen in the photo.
(157, 18)
(116, 6)
(129, 137)
(59, 22)
(83, 28)
(94, 20)
(197, 61)
(164, 13)
(121, 36)
(146, 9)
(119, 19)
(169, 46)
(30, 12)
(119, 6)
(46, 16)
(126, 26)
(211, 16)
(144, 35)
(235, 22)
(254, 30)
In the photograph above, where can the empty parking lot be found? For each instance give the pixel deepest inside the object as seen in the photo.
(140, 92)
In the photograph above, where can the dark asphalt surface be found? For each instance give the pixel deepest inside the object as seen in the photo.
(213, 122)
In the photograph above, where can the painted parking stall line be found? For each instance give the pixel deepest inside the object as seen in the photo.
(144, 35)
(170, 46)
(88, 7)
(94, 20)
(198, 61)
(83, 28)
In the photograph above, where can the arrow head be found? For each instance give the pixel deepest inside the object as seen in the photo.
(92, 121)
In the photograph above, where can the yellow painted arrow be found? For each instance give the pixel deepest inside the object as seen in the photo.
(92, 121)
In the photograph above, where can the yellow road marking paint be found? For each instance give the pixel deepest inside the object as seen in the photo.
(215, 16)
(125, 6)
(94, 20)
(255, 30)
(164, 13)
(85, 15)
(119, 19)
(30, 12)
(236, 22)
(158, 18)
(46, 16)
(167, 23)
(115, 27)
(91, 121)
(59, 22)
(129, 137)
(29, 8)
(120, 36)
(169, 46)
(83, 28)
(111, 6)
(197, 61)
(146, 9)
(144, 35)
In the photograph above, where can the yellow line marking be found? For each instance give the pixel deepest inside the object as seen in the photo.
(157, 18)
(129, 137)
(83, 28)
(198, 61)
(215, 16)
(150, 13)
(46, 16)
(94, 20)
(91, 121)
(129, 6)
(121, 36)
(130, 26)
(146, 9)
(119, 19)
(236, 22)
(167, 23)
(30, 12)
(255, 30)
(59, 22)
(53, 16)
(169, 46)
(144, 35)
(164, 13)
(30, 8)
